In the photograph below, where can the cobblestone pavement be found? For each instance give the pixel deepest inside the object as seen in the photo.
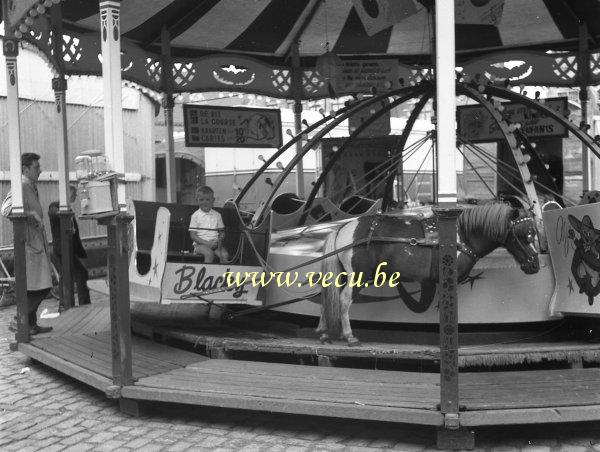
(41, 409)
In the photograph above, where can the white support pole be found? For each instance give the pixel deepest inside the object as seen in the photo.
(11, 50)
(110, 33)
(445, 100)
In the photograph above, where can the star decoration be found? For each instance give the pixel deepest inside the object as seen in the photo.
(570, 286)
(471, 279)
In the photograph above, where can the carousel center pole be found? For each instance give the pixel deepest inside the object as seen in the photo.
(451, 435)
(117, 225)
(17, 216)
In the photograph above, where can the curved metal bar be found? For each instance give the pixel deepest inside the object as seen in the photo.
(401, 142)
(340, 151)
(278, 154)
(530, 190)
(309, 145)
(510, 95)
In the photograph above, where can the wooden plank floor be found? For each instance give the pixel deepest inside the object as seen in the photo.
(81, 336)
(79, 345)
(242, 341)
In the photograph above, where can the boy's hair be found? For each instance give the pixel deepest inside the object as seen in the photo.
(206, 190)
(28, 158)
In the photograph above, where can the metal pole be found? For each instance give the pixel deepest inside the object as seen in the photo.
(168, 105)
(59, 85)
(18, 216)
(297, 92)
(583, 69)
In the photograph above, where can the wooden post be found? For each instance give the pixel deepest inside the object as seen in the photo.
(168, 105)
(19, 219)
(118, 279)
(66, 258)
(297, 93)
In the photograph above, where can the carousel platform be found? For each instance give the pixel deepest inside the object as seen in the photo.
(79, 346)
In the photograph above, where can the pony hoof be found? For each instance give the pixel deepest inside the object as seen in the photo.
(325, 339)
(353, 342)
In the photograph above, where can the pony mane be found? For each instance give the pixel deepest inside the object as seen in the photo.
(492, 220)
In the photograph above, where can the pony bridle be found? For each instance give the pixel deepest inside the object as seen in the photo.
(515, 223)
(466, 249)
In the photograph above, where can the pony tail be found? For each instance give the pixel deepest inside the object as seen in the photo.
(330, 296)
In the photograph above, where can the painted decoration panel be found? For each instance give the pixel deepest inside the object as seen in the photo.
(574, 242)
(232, 126)
(184, 278)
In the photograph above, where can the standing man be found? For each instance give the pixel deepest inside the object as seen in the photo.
(80, 273)
(39, 273)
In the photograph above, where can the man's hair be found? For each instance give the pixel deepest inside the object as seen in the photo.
(28, 158)
(206, 190)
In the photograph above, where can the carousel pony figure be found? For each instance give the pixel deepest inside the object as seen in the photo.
(366, 242)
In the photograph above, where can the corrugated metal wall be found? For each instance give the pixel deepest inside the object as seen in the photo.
(85, 131)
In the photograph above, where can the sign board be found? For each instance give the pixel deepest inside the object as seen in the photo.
(573, 240)
(210, 126)
(359, 76)
(476, 124)
(185, 278)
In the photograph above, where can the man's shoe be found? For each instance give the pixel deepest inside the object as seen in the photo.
(40, 329)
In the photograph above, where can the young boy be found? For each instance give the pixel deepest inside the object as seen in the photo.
(207, 228)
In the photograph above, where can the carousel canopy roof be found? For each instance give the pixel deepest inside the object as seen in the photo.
(232, 44)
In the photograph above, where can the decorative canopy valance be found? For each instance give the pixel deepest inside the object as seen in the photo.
(242, 45)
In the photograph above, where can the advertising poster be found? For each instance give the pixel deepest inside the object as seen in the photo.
(475, 123)
(209, 126)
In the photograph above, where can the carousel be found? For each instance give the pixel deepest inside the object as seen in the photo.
(503, 277)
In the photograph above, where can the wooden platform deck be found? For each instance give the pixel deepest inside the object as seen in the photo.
(79, 346)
